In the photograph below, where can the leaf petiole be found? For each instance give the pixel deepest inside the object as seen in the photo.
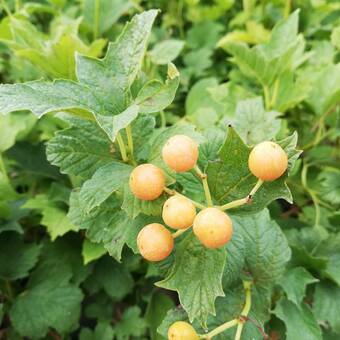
(130, 143)
(242, 201)
(122, 147)
(204, 178)
(3, 168)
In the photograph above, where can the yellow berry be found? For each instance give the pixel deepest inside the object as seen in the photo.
(268, 161)
(155, 242)
(178, 212)
(213, 227)
(147, 182)
(180, 153)
(181, 330)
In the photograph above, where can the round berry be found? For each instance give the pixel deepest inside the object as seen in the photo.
(181, 330)
(180, 153)
(178, 212)
(155, 242)
(213, 227)
(268, 161)
(147, 182)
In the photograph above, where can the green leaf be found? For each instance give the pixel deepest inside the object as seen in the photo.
(166, 51)
(236, 259)
(80, 149)
(103, 331)
(50, 300)
(156, 96)
(266, 62)
(113, 124)
(53, 54)
(330, 187)
(53, 218)
(92, 251)
(196, 275)
(253, 123)
(158, 306)
(112, 277)
(294, 283)
(101, 15)
(326, 304)
(266, 248)
(300, 322)
(107, 224)
(230, 179)
(12, 126)
(104, 84)
(131, 325)
(134, 206)
(18, 258)
(105, 181)
(325, 92)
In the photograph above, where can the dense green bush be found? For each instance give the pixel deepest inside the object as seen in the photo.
(91, 91)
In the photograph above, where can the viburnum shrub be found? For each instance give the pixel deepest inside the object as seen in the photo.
(134, 181)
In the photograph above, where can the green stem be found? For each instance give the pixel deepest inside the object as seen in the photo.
(275, 93)
(287, 8)
(174, 192)
(256, 188)
(17, 5)
(235, 204)
(204, 178)
(3, 168)
(122, 147)
(96, 19)
(266, 96)
(163, 119)
(239, 322)
(245, 310)
(9, 290)
(130, 143)
(220, 329)
(179, 232)
(242, 201)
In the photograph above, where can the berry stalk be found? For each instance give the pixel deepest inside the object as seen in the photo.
(204, 178)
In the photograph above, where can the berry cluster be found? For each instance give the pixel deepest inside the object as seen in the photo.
(212, 226)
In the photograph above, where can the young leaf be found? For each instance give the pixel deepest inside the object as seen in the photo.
(92, 251)
(166, 51)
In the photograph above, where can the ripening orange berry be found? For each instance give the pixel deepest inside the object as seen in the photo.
(155, 242)
(178, 212)
(147, 182)
(213, 227)
(180, 153)
(181, 330)
(268, 161)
